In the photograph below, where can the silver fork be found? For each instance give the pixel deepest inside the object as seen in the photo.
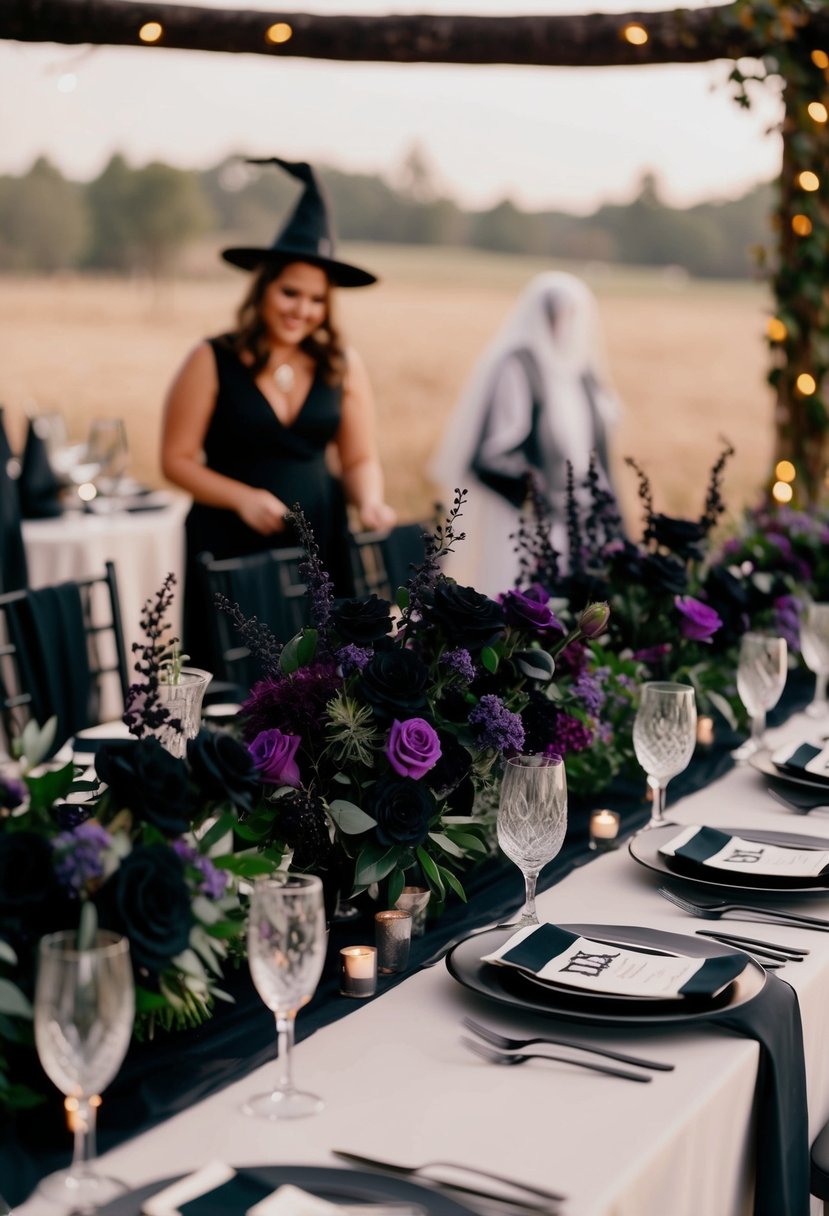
(801, 803)
(506, 1044)
(492, 1056)
(715, 909)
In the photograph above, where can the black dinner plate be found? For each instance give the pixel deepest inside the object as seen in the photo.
(335, 1185)
(644, 848)
(503, 985)
(764, 764)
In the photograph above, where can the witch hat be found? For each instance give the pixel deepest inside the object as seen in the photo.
(306, 236)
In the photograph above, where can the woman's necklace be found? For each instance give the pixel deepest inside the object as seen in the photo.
(283, 377)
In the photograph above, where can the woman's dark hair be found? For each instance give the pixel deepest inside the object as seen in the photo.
(324, 345)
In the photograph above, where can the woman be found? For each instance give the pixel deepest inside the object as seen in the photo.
(250, 415)
(538, 398)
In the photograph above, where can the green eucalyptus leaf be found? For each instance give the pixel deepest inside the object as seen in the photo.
(307, 646)
(430, 869)
(350, 819)
(13, 1002)
(489, 659)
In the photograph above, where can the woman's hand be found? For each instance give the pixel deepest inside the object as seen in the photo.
(377, 516)
(262, 511)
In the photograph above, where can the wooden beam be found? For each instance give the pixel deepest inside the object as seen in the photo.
(595, 40)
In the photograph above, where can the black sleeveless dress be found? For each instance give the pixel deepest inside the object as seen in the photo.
(246, 441)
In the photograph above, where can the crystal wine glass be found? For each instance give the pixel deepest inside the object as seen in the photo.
(761, 677)
(814, 646)
(107, 447)
(84, 1012)
(532, 819)
(664, 736)
(286, 951)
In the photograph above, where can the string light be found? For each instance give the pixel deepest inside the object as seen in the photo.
(820, 59)
(635, 34)
(785, 471)
(817, 110)
(806, 384)
(151, 31)
(801, 225)
(280, 32)
(776, 330)
(782, 492)
(807, 180)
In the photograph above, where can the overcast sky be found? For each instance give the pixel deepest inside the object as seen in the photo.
(546, 137)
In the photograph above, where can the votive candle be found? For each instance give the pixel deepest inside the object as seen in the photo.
(358, 971)
(393, 934)
(705, 731)
(604, 829)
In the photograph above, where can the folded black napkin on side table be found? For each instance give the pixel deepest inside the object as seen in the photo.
(782, 1176)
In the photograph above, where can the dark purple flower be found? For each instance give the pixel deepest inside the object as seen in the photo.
(12, 793)
(412, 747)
(459, 661)
(361, 621)
(496, 726)
(214, 882)
(572, 735)
(294, 703)
(653, 655)
(79, 855)
(353, 658)
(699, 621)
(531, 610)
(274, 754)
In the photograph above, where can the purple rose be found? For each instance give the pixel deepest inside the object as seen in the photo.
(531, 610)
(412, 748)
(274, 754)
(699, 621)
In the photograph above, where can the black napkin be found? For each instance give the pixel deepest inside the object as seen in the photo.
(796, 763)
(39, 487)
(13, 572)
(237, 1195)
(47, 629)
(773, 1019)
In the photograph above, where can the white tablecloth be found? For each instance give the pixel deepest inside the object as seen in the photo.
(398, 1084)
(144, 545)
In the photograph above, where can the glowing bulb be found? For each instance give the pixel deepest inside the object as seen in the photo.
(806, 384)
(801, 225)
(67, 83)
(151, 31)
(636, 35)
(820, 59)
(776, 330)
(785, 471)
(781, 492)
(817, 110)
(808, 180)
(280, 32)
(87, 491)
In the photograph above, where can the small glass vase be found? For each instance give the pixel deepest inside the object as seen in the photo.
(184, 701)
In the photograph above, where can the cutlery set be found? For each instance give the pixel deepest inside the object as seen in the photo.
(717, 908)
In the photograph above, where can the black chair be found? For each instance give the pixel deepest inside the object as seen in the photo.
(383, 561)
(61, 646)
(266, 586)
(820, 1168)
(13, 573)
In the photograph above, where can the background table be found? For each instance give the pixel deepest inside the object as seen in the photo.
(145, 546)
(398, 1084)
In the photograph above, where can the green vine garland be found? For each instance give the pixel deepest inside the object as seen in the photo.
(798, 334)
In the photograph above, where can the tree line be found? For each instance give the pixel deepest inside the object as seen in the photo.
(139, 220)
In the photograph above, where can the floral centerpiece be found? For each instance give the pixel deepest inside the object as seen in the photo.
(142, 838)
(379, 731)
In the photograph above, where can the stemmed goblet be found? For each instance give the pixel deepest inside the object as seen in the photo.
(761, 677)
(84, 1012)
(107, 447)
(814, 646)
(664, 736)
(532, 819)
(286, 951)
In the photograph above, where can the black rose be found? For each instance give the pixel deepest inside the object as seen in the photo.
(468, 618)
(729, 598)
(452, 767)
(661, 573)
(540, 720)
(394, 683)
(682, 536)
(624, 560)
(223, 769)
(154, 785)
(147, 900)
(361, 621)
(402, 808)
(26, 876)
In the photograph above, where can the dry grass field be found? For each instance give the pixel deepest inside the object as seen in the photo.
(688, 360)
